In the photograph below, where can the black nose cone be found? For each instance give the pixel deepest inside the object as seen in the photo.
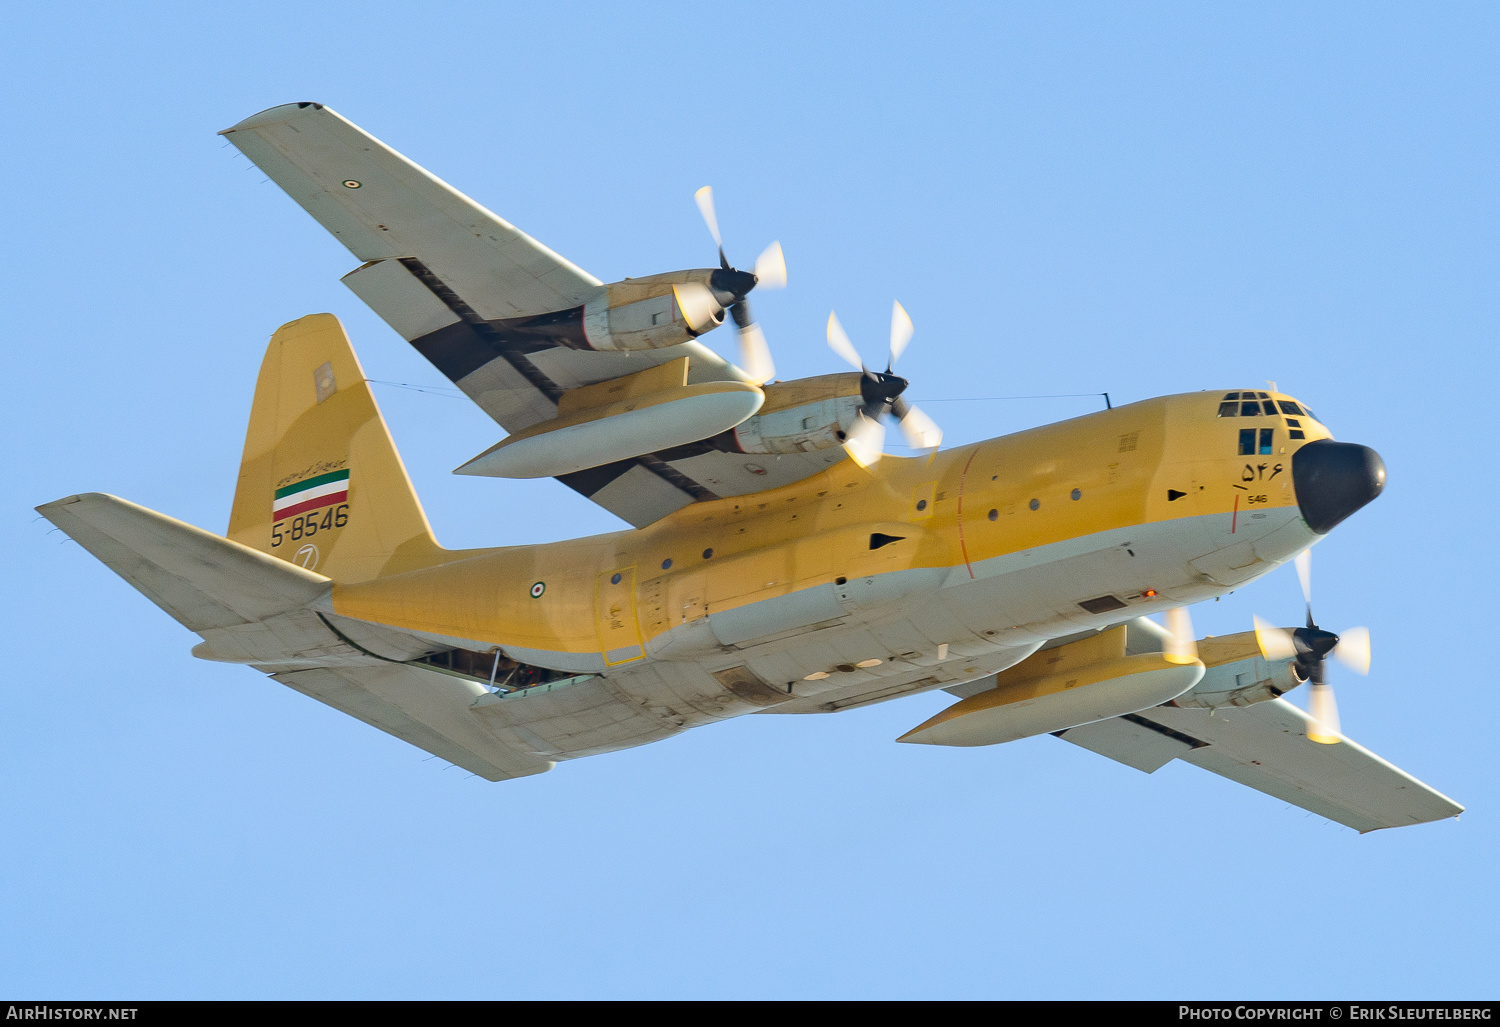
(1334, 479)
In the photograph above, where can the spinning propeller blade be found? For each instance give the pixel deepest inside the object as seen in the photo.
(1275, 643)
(731, 286)
(866, 443)
(1182, 647)
(1353, 650)
(881, 392)
(1325, 714)
(838, 341)
(697, 306)
(770, 268)
(901, 333)
(755, 355)
(1310, 647)
(705, 200)
(920, 430)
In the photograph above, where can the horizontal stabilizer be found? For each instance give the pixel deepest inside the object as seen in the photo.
(201, 579)
(249, 604)
(431, 711)
(1265, 745)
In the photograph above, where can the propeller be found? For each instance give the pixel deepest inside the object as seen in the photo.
(1311, 646)
(730, 287)
(1181, 646)
(881, 392)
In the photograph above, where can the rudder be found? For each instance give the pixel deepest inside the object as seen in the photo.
(321, 484)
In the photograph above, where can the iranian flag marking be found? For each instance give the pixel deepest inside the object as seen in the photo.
(311, 494)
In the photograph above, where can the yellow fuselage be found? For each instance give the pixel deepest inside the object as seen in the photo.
(1170, 467)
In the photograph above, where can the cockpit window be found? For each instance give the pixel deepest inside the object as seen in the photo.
(1245, 404)
(1232, 406)
(1250, 445)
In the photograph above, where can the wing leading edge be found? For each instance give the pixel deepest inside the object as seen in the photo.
(1265, 746)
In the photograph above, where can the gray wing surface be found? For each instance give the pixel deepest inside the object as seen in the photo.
(381, 205)
(1265, 746)
(429, 710)
(497, 312)
(206, 583)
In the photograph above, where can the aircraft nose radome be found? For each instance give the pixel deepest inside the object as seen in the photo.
(1334, 479)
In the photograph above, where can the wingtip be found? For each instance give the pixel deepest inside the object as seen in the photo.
(273, 115)
(58, 504)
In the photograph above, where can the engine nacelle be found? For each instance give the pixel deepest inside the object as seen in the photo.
(1238, 674)
(654, 312)
(802, 416)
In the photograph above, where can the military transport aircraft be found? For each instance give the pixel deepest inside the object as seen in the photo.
(775, 562)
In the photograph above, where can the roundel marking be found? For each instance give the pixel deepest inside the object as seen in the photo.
(538, 589)
(350, 183)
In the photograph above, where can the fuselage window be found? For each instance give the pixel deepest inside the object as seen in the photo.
(1229, 409)
(1290, 408)
(1251, 409)
(1256, 441)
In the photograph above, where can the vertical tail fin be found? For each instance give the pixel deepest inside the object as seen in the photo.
(321, 484)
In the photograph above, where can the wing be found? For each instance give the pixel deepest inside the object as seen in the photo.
(253, 608)
(1265, 746)
(498, 313)
(381, 205)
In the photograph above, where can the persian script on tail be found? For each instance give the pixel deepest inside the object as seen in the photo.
(774, 560)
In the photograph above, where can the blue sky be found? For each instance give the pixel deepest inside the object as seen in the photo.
(1068, 198)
